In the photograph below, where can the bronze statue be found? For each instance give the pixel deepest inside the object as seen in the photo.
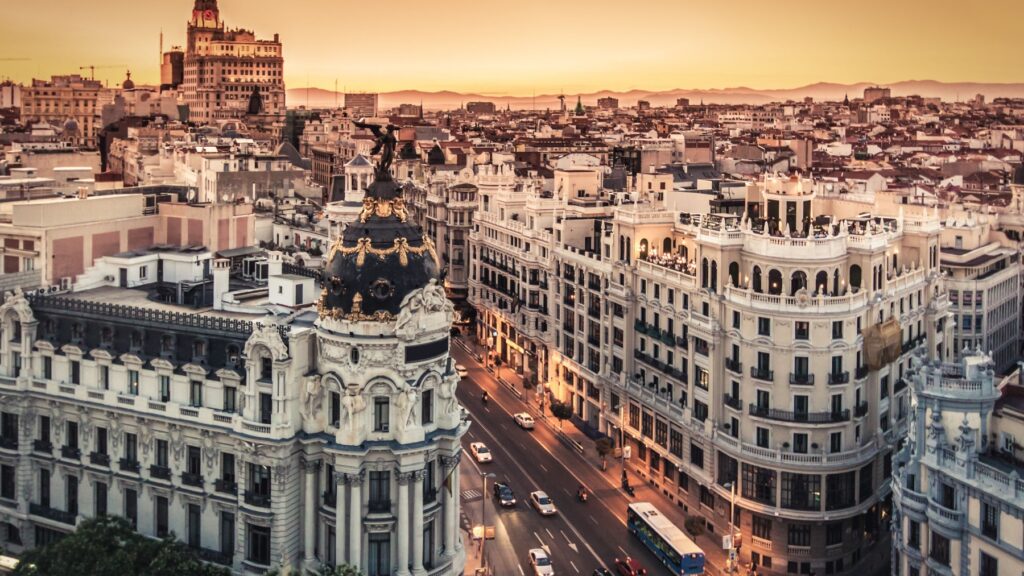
(386, 142)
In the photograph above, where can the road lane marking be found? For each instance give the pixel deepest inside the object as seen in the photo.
(486, 409)
(548, 530)
(542, 467)
(574, 566)
(594, 521)
(538, 538)
(520, 566)
(571, 543)
(624, 553)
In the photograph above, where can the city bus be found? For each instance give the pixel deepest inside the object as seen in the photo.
(661, 536)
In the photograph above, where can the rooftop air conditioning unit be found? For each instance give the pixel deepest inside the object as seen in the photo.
(108, 278)
(65, 283)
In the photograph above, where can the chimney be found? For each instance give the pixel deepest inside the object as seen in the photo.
(275, 265)
(221, 281)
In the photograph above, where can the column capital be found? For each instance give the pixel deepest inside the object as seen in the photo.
(311, 466)
(404, 478)
(351, 479)
(418, 475)
(450, 462)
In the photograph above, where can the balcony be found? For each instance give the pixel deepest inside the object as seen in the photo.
(804, 417)
(129, 465)
(430, 495)
(762, 374)
(216, 557)
(594, 340)
(257, 499)
(8, 443)
(70, 452)
(52, 514)
(947, 517)
(860, 410)
(801, 379)
(839, 377)
(42, 446)
(330, 498)
(99, 459)
(683, 342)
(732, 401)
(898, 387)
(382, 506)
(159, 472)
(192, 479)
(225, 486)
(734, 365)
(862, 372)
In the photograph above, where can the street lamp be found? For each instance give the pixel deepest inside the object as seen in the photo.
(732, 530)
(483, 518)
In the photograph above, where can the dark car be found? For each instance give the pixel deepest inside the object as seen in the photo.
(629, 567)
(504, 494)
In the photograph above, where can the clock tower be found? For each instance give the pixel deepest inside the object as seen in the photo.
(205, 14)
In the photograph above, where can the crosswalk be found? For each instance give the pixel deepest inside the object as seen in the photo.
(472, 494)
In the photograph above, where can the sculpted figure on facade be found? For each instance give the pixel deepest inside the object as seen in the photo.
(353, 404)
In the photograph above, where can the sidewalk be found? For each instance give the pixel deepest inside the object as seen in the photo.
(498, 550)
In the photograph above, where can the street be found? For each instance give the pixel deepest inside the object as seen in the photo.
(582, 536)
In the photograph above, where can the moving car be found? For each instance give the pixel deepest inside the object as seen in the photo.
(524, 420)
(541, 563)
(542, 503)
(480, 452)
(629, 567)
(504, 494)
(461, 370)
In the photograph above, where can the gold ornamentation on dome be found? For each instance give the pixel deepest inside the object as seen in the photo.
(357, 303)
(401, 247)
(383, 208)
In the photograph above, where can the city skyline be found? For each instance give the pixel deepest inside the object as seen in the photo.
(513, 49)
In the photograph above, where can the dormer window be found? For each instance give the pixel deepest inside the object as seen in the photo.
(77, 332)
(107, 337)
(167, 345)
(135, 341)
(233, 356)
(199, 350)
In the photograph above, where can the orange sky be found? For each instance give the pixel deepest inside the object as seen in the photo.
(518, 47)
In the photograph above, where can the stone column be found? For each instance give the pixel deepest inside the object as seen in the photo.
(355, 520)
(456, 484)
(451, 505)
(402, 541)
(417, 523)
(311, 467)
(339, 517)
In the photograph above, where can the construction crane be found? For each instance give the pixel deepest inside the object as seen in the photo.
(92, 69)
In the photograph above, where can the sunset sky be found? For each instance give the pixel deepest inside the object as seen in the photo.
(526, 46)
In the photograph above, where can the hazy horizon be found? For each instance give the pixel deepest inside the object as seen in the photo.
(529, 46)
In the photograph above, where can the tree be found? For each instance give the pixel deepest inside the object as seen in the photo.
(561, 410)
(108, 546)
(326, 570)
(603, 446)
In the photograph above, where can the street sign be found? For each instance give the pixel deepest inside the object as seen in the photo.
(627, 452)
(727, 542)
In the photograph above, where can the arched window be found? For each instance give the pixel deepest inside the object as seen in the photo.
(756, 281)
(734, 273)
(896, 263)
(855, 277)
(714, 275)
(835, 283)
(643, 249)
(666, 246)
(684, 251)
(622, 247)
(704, 273)
(797, 282)
(774, 282)
(821, 283)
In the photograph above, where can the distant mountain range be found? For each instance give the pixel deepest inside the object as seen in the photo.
(821, 91)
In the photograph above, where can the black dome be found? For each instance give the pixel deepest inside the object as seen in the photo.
(379, 260)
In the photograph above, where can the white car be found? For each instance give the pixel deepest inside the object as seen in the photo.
(480, 452)
(461, 370)
(524, 420)
(541, 563)
(543, 503)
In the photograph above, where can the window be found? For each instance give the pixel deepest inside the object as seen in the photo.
(131, 452)
(131, 506)
(258, 546)
(194, 526)
(427, 407)
(761, 527)
(763, 437)
(700, 410)
(727, 469)
(837, 329)
(143, 272)
(76, 372)
(380, 491)
(100, 498)
(266, 407)
(381, 413)
(736, 320)
(227, 534)
(802, 331)
(990, 521)
(759, 484)
(160, 457)
(379, 555)
(165, 387)
(335, 409)
(939, 549)
(834, 534)
(914, 535)
(44, 429)
(105, 377)
(866, 482)
(835, 442)
(259, 480)
(707, 497)
(133, 382)
(839, 491)
(161, 517)
(195, 395)
(7, 484)
(47, 368)
(192, 460)
(799, 535)
(696, 455)
(227, 467)
(9, 430)
(988, 565)
(764, 326)
(230, 399)
(801, 491)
